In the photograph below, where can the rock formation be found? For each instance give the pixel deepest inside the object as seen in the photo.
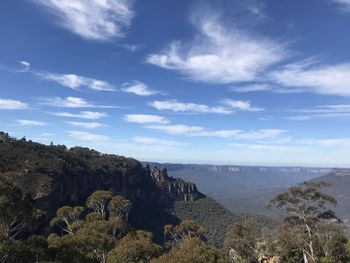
(175, 188)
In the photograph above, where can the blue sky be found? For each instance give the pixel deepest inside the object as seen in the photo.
(225, 82)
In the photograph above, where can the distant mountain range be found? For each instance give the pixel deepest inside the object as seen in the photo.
(249, 188)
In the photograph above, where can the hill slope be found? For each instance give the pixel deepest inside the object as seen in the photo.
(54, 176)
(340, 182)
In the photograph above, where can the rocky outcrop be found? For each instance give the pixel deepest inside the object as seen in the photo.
(177, 189)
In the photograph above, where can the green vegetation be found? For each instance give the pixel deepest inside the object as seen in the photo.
(215, 218)
(311, 232)
(97, 232)
(77, 205)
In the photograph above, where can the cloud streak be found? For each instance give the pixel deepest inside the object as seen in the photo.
(198, 131)
(30, 123)
(318, 78)
(92, 19)
(230, 107)
(339, 111)
(71, 102)
(241, 105)
(139, 88)
(25, 66)
(86, 125)
(344, 5)
(219, 55)
(89, 137)
(8, 104)
(268, 148)
(145, 119)
(155, 141)
(176, 106)
(76, 82)
(91, 115)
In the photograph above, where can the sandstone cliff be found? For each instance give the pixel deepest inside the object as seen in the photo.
(55, 175)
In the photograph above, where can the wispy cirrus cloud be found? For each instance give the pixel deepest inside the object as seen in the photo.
(9, 104)
(92, 115)
(339, 111)
(25, 66)
(328, 142)
(241, 105)
(269, 148)
(155, 141)
(71, 102)
(30, 123)
(343, 5)
(230, 106)
(89, 137)
(220, 54)
(176, 106)
(252, 88)
(198, 131)
(92, 19)
(145, 119)
(76, 82)
(310, 75)
(139, 88)
(86, 125)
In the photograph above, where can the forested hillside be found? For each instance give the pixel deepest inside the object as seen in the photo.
(79, 205)
(54, 176)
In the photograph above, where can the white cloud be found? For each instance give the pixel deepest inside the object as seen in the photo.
(145, 119)
(30, 123)
(99, 20)
(323, 112)
(7, 104)
(174, 105)
(268, 148)
(139, 88)
(177, 129)
(180, 129)
(329, 142)
(83, 115)
(322, 79)
(71, 102)
(76, 82)
(154, 141)
(264, 134)
(251, 88)
(86, 125)
(89, 137)
(241, 105)
(220, 54)
(336, 108)
(25, 66)
(343, 4)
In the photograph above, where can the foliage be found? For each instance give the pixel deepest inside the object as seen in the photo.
(307, 207)
(119, 207)
(68, 218)
(89, 237)
(135, 247)
(98, 202)
(192, 250)
(241, 240)
(16, 212)
(186, 229)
